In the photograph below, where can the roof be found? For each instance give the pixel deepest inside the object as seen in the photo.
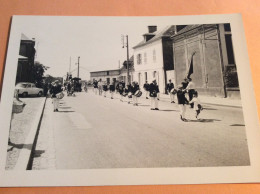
(168, 31)
(104, 70)
(191, 27)
(23, 37)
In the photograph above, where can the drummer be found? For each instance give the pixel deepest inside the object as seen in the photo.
(154, 91)
(135, 88)
(170, 87)
(128, 91)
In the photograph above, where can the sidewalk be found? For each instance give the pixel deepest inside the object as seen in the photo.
(22, 134)
(211, 100)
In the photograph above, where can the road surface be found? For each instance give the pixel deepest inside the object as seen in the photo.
(93, 132)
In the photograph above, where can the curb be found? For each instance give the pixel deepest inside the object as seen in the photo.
(24, 161)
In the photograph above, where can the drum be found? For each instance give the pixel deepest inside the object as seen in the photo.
(173, 91)
(124, 94)
(129, 95)
(138, 93)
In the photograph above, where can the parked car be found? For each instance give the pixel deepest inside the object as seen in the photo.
(28, 89)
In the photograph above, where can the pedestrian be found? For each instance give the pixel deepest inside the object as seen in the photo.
(100, 87)
(197, 106)
(112, 89)
(95, 85)
(146, 89)
(105, 88)
(45, 88)
(135, 88)
(121, 87)
(69, 86)
(182, 101)
(154, 91)
(55, 89)
(170, 87)
(190, 89)
(128, 91)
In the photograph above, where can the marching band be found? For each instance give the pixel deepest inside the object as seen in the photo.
(184, 93)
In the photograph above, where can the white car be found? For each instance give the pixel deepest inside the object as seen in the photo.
(27, 89)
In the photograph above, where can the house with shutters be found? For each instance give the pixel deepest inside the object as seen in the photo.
(153, 57)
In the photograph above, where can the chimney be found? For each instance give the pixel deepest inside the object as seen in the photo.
(152, 29)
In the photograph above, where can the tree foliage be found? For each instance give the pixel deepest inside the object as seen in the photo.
(37, 73)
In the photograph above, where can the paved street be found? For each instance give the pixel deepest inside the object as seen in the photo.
(91, 131)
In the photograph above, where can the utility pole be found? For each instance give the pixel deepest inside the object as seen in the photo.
(78, 66)
(127, 62)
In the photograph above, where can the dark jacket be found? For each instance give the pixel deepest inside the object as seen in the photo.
(146, 86)
(55, 90)
(153, 89)
(170, 86)
(112, 88)
(181, 96)
(135, 87)
(105, 87)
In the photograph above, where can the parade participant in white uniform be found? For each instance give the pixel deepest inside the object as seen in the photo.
(182, 101)
(55, 89)
(197, 106)
(135, 88)
(169, 88)
(112, 90)
(128, 91)
(100, 87)
(146, 89)
(154, 91)
(105, 88)
(95, 85)
(120, 88)
(191, 89)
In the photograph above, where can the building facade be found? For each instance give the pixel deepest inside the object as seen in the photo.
(214, 68)
(25, 60)
(108, 76)
(153, 57)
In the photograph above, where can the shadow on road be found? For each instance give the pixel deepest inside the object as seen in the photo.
(204, 120)
(38, 153)
(237, 125)
(19, 146)
(169, 110)
(69, 111)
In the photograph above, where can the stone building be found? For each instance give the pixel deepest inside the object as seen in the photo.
(25, 60)
(214, 67)
(153, 57)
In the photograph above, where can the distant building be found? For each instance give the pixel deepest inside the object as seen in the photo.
(105, 75)
(214, 67)
(25, 60)
(153, 57)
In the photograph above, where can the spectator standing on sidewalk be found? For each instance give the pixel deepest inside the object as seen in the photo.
(169, 88)
(146, 89)
(182, 101)
(55, 89)
(154, 91)
(191, 89)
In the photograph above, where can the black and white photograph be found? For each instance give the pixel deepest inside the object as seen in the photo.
(130, 96)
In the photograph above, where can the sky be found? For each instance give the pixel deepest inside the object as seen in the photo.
(96, 40)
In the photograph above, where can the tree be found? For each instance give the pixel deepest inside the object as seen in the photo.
(37, 73)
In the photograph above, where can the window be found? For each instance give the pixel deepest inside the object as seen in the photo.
(227, 27)
(145, 76)
(145, 58)
(139, 59)
(154, 55)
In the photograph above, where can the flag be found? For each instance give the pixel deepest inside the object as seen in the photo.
(190, 70)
